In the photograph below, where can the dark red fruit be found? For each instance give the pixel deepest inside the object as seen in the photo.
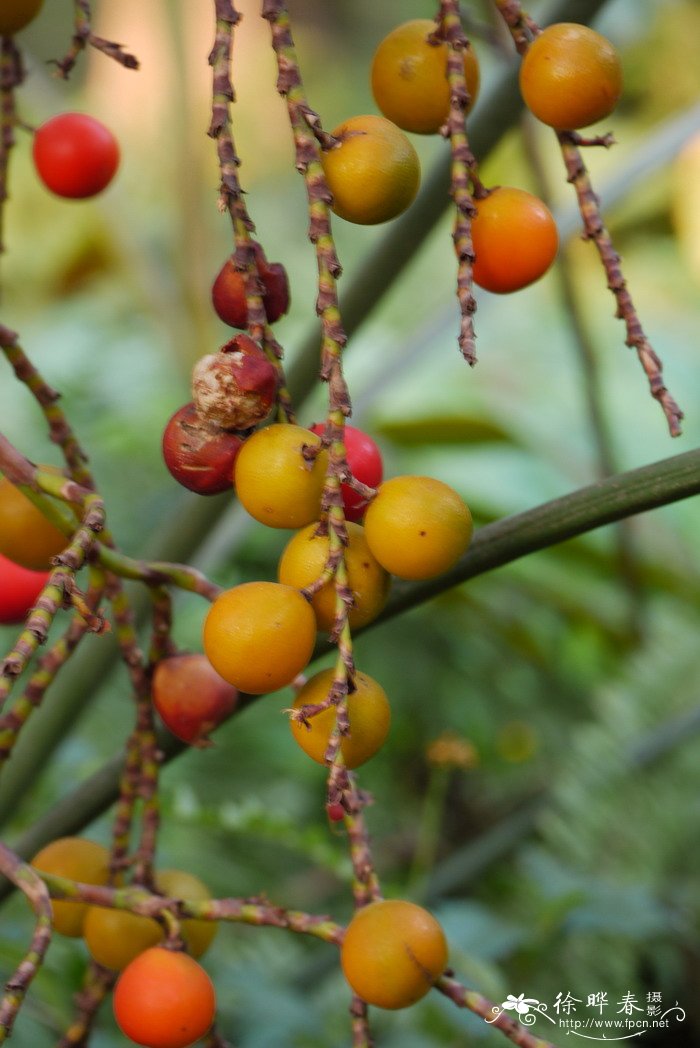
(228, 291)
(364, 462)
(199, 455)
(190, 696)
(335, 811)
(237, 387)
(19, 591)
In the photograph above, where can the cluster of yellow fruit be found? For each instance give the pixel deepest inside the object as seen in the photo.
(115, 937)
(373, 170)
(260, 635)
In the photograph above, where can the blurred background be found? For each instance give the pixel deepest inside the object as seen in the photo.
(539, 788)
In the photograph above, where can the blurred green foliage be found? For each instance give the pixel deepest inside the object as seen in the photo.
(566, 857)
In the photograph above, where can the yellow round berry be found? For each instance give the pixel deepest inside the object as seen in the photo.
(304, 559)
(417, 527)
(275, 482)
(368, 712)
(409, 77)
(393, 952)
(258, 636)
(373, 172)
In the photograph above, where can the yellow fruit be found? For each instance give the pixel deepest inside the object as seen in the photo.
(259, 635)
(392, 953)
(368, 712)
(273, 480)
(374, 171)
(114, 937)
(570, 76)
(417, 527)
(79, 860)
(409, 77)
(304, 559)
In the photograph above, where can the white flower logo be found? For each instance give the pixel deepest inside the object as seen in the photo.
(520, 1004)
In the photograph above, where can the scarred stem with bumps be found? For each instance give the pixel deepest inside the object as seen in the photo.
(29, 882)
(489, 1012)
(463, 170)
(523, 30)
(231, 196)
(11, 76)
(97, 983)
(83, 35)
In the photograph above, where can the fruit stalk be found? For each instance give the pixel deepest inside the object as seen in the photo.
(230, 194)
(29, 882)
(463, 171)
(83, 35)
(489, 1012)
(11, 76)
(523, 29)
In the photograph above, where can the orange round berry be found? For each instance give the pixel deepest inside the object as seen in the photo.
(570, 76)
(259, 635)
(115, 937)
(26, 536)
(373, 172)
(392, 953)
(79, 860)
(304, 559)
(164, 999)
(515, 240)
(368, 712)
(409, 77)
(275, 482)
(417, 527)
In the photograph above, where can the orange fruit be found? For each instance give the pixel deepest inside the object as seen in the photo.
(259, 635)
(26, 536)
(164, 999)
(368, 713)
(373, 172)
(409, 77)
(570, 76)
(304, 559)
(417, 527)
(392, 953)
(515, 240)
(273, 480)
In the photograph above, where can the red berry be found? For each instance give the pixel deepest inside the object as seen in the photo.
(75, 155)
(335, 811)
(365, 464)
(199, 454)
(228, 291)
(236, 387)
(19, 591)
(190, 696)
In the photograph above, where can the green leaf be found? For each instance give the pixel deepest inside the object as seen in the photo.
(445, 429)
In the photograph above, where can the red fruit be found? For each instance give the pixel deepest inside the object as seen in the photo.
(199, 454)
(190, 696)
(19, 591)
(228, 291)
(335, 811)
(365, 464)
(235, 388)
(75, 155)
